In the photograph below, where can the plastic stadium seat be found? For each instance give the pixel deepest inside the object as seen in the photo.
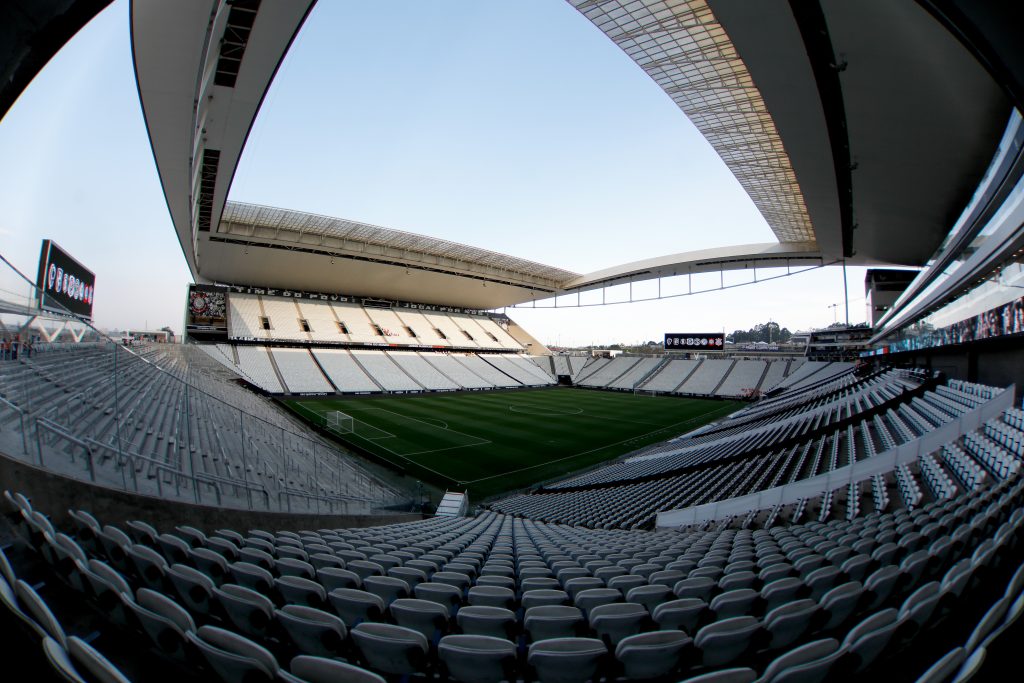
(391, 649)
(945, 667)
(443, 593)
(651, 655)
(174, 549)
(919, 606)
(497, 622)
(866, 641)
(313, 631)
(223, 546)
(193, 587)
(536, 598)
(60, 661)
(386, 588)
(684, 614)
(841, 603)
(164, 621)
(288, 566)
(234, 658)
(735, 603)
(355, 606)
(992, 618)
(880, 585)
(723, 642)
(150, 566)
(788, 623)
(782, 591)
(566, 660)
(552, 621)
(624, 583)
(311, 669)
(86, 658)
(809, 663)
(322, 560)
(594, 597)
(650, 596)
(36, 608)
(335, 577)
(695, 587)
(115, 546)
(252, 613)
(252, 576)
(425, 616)
(477, 658)
(735, 675)
(410, 575)
(300, 591)
(616, 621)
(211, 563)
(492, 596)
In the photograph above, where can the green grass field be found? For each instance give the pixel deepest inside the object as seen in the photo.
(492, 442)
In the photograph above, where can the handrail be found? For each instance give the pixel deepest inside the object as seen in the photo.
(21, 420)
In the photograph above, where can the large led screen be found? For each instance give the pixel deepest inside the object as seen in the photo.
(65, 285)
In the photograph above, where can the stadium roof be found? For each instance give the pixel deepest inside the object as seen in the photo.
(860, 130)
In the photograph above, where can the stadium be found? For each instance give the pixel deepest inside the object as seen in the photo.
(356, 465)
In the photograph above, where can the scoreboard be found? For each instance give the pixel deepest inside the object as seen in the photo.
(65, 285)
(695, 341)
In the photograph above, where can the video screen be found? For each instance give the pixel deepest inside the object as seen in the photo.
(695, 341)
(207, 308)
(65, 285)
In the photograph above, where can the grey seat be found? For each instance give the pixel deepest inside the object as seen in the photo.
(313, 631)
(211, 563)
(193, 587)
(150, 566)
(386, 588)
(734, 675)
(944, 669)
(174, 548)
(46, 624)
(809, 663)
(355, 606)
(684, 614)
(107, 586)
(391, 649)
(87, 658)
(879, 586)
(614, 622)
(723, 642)
(425, 616)
(320, 670)
(782, 591)
(163, 620)
(251, 612)
(300, 591)
(542, 596)
(695, 587)
(336, 577)
(492, 596)
(252, 576)
(841, 603)
(866, 641)
(594, 597)
(788, 623)
(651, 655)
(482, 620)
(735, 603)
(287, 566)
(566, 660)
(439, 592)
(477, 658)
(234, 658)
(650, 596)
(552, 621)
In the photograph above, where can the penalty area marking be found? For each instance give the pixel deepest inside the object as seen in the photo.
(544, 412)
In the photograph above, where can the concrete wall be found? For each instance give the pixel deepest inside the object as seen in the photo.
(53, 494)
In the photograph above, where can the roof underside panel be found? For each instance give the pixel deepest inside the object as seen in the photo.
(681, 45)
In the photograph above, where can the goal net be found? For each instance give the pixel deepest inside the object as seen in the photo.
(340, 423)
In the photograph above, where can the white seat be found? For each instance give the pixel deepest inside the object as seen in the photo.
(313, 631)
(234, 658)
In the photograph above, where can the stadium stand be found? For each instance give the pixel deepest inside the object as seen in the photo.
(384, 372)
(169, 422)
(607, 373)
(635, 374)
(707, 377)
(486, 371)
(425, 374)
(449, 365)
(777, 370)
(496, 597)
(255, 364)
(300, 372)
(284, 316)
(354, 319)
(744, 375)
(449, 330)
(244, 313)
(424, 330)
(671, 375)
(344, 372)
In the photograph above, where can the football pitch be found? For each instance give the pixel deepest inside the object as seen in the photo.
(492, 442)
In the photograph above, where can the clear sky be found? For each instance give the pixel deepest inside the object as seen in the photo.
(516, 127)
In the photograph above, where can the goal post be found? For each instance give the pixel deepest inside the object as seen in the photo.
(339, 422)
